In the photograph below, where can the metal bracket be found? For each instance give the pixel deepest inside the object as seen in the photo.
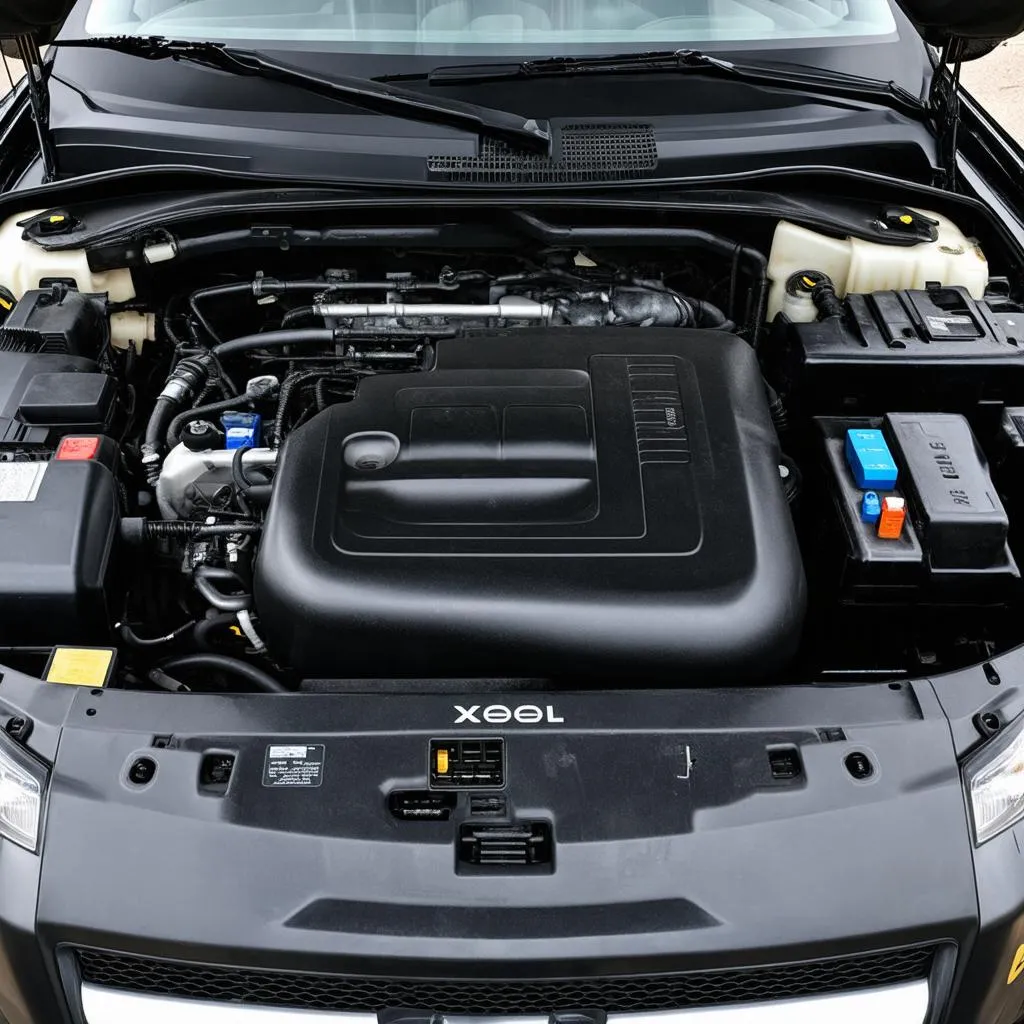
(39, 98)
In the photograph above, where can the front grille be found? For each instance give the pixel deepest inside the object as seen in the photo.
(612, 994)
(584, 152)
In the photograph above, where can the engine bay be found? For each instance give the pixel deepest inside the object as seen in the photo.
(681, 456)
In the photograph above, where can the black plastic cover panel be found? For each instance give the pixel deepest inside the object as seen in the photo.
(952, 495)
(556, 502)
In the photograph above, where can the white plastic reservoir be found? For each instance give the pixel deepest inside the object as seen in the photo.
(24, 264)
(858, 267)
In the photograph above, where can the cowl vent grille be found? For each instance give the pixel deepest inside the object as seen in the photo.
(583, 152)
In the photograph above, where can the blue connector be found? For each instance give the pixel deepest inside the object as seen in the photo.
(870, 460)
(242, 429)
(871, 508)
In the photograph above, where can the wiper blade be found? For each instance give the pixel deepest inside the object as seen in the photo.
(833, 84)
(364, 93)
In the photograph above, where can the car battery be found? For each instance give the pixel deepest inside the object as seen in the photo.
(952, 546)
(58, 524)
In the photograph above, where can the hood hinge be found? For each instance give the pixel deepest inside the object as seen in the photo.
(39, 98)
(944, 103)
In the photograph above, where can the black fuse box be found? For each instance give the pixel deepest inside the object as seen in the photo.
(952, 498)
(953, 548)
(44, 397)
(925, 349)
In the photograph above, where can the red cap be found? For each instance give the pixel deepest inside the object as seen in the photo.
(78, 449)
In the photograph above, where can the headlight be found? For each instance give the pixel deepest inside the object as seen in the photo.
(22, 788)
(994, 778)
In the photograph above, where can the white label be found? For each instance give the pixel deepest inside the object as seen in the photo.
(20, 481)
(288, 752)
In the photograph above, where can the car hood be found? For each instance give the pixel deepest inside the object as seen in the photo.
(938, 21)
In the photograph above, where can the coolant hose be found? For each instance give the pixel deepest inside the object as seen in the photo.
(275, 339)
(261, 680)
(155, 430)
(157, 426)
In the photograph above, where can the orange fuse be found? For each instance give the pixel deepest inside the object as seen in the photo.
(894, 515)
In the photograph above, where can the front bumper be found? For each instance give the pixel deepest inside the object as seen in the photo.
(684, 875)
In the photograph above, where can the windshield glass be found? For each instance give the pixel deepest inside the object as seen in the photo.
(499, 26)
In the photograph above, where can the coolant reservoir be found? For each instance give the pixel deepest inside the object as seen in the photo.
(856, 266)
(24, 264)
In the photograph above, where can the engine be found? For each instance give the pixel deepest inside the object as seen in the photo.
(601, 466)
(596, 504)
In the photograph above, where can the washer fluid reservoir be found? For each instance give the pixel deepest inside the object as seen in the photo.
(23, 264)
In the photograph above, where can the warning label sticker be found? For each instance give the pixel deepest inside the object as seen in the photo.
(20, 481)
(294, 765)
(945, 324)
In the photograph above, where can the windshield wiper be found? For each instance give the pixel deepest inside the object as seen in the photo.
(359, 92)
(834, 84)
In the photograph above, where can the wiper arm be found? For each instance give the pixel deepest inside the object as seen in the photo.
(359, 92)
(833, 84)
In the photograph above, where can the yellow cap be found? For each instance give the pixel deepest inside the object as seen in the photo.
(442, 762)
(906, 219)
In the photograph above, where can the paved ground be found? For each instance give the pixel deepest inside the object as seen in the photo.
(997, 80)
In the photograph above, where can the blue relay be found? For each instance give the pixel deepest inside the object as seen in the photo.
(241, 429)
(870, 460)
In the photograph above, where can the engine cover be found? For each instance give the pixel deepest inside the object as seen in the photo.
(555, 503)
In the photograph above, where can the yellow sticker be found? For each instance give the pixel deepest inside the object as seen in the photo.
(79, 666)
(1017, 967)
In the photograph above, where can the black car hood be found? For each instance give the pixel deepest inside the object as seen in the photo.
(977, 21)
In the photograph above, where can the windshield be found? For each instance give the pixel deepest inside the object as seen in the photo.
(499, 26)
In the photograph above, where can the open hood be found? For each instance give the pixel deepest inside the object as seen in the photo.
(978, 23)
(38, 18)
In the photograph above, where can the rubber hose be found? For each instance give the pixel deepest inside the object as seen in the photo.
(201, 634)
(299, 313)
(204, 580)
(157, 426)
(132, 638)
(216, 292)
(275, 339)
(261, 680)
(260, 493)
(710, 316)
(202, 412)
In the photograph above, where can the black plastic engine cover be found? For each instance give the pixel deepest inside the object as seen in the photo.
(552, 503)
